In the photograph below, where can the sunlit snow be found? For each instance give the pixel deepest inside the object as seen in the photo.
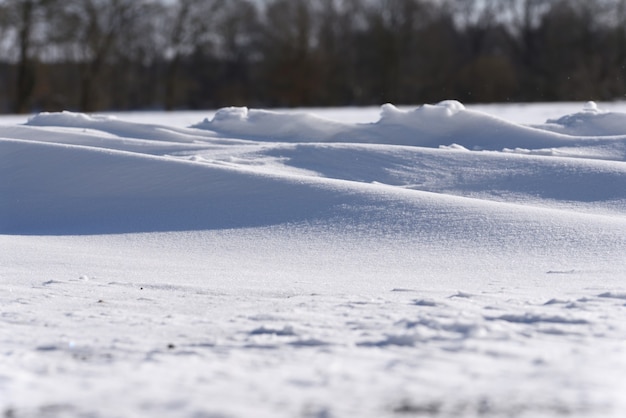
(441, 260)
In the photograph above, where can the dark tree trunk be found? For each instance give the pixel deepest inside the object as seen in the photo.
(25, 67)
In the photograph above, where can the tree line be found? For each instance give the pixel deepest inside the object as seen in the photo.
(92, 55)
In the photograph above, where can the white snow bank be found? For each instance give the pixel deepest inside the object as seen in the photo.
(590, 122)
(270, 126)
(445, 124)
(63, 189)
(111, 125)
(70, 173)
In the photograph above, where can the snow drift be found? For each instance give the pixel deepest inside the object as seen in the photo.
(436, 262)
(261, 168)
(444, 124)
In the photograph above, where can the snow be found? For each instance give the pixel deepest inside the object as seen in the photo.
(442, 260)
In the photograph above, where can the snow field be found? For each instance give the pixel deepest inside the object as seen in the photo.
(437, 262)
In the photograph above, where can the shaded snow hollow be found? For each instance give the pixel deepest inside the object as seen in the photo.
(437, 262)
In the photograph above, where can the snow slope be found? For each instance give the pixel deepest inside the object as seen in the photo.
(437, 262)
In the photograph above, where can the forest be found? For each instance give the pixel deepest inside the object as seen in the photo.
(98, 55)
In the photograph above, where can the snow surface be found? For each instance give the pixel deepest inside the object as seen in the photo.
(437, 261)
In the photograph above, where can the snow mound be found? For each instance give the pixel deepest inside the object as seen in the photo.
(69, 119)
(591, 121)
(268, 125)
(69, 173)
(109, 125)
(65, 189)
(447, 123)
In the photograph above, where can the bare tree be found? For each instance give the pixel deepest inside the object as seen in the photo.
(236, 30)
(95, 33)
(341, 22)
(186, 29)
(25, 71)
(127, 54)
(25, 19)
(286, 45)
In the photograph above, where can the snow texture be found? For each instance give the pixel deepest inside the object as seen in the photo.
(439, 261)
